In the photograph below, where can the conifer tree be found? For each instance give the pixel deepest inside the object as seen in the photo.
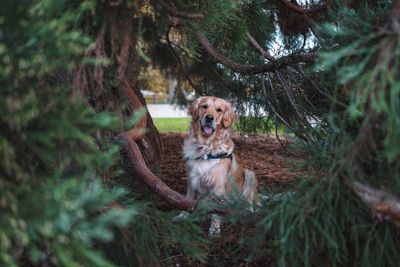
(57, 148)
(327, 71)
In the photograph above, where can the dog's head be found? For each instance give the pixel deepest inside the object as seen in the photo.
(211, 112)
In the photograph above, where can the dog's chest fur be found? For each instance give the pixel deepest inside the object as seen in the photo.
(202, 174)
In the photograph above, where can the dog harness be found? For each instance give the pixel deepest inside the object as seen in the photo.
(218, 156)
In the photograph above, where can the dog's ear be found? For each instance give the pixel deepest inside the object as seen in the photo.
(194, 108)
(229, 116)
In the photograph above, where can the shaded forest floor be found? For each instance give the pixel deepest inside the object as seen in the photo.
(261, 153)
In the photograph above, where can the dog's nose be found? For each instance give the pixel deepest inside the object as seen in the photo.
(209, 118)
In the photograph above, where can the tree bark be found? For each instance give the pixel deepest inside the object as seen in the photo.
(141, 171)
(113, 87)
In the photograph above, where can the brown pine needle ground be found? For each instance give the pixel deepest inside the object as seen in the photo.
(261, 153)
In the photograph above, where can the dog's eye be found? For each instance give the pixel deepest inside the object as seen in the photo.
(204, 106)
(219, 109)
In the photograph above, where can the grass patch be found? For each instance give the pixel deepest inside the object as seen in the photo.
(244, 125)
(172, 124)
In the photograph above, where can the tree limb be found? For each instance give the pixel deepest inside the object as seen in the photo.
(258, 48)
(384, 205)
(237, 67)
(253, 69)
(141, 171)
(179, 59)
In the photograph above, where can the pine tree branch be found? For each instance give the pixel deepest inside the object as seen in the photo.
(384, 205)
(301, 10)
(241, 68)
(292, 59)
(179, 59)
(258, 48)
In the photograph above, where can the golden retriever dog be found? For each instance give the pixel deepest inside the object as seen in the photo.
(212, 167)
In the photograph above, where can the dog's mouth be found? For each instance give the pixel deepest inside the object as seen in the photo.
(207, 130)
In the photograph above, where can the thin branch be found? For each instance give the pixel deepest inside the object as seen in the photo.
(300, 10)
(302, 137)
(179, 59)
(281, 143)
(273, 90)
(180, 14)
(258, 48)
(271, 106)
(180, 48)
(291, 99)
(253, 69)
(316, 87)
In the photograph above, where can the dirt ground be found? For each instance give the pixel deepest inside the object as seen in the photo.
(262, 153)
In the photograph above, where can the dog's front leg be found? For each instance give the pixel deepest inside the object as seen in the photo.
(190, 194)
(219, 191)
(215, 228)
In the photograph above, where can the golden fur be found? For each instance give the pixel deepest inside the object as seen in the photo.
(209, 134)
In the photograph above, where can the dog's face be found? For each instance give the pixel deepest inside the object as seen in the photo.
(211, 112)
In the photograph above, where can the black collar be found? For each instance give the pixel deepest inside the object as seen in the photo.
(218, 156)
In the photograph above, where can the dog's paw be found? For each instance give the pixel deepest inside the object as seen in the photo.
(214, 231)
(181, 217)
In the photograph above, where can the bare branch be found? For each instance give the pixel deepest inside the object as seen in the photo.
(316, 87)
(271, 106)
(179, 60)
(258, 48)
(253, 69)
(384, 205)
(142, 172)
(292, 101)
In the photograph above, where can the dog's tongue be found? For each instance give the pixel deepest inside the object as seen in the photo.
(207, 130)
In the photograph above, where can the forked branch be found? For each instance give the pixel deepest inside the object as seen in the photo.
(141, 171)
(253, 42)
(292, 59)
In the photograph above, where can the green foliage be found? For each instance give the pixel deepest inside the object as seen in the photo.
(53, 204)
(324, 222)
(331, 225)
(55, 208)
(169, 243)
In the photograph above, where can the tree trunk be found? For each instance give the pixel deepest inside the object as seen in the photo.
(113, 87)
